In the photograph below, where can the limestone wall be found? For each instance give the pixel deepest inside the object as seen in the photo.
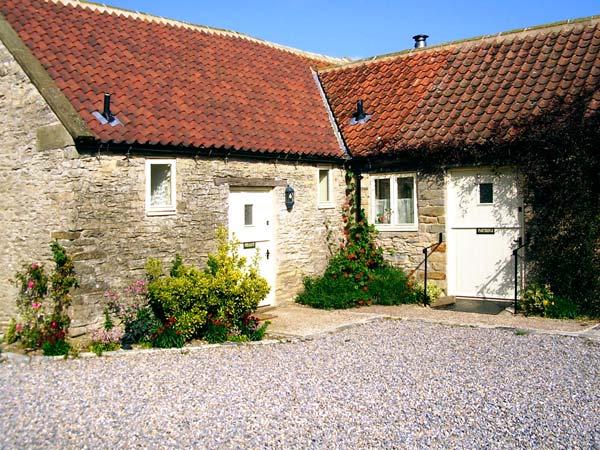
(405, 248)
(94, 204)
(36, 192)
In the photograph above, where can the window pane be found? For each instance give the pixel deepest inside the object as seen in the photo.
(248, 215)
(406, 207)
(324, 186)
(160, 185)
(486, 193)
(382, 208)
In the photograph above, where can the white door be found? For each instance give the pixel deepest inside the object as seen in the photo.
(484, 221)
(251, 221)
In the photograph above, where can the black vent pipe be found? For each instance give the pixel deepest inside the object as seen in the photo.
(106, 113)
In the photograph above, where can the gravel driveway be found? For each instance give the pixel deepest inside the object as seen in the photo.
(387, 384)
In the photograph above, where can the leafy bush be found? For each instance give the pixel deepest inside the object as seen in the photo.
(356, 274)
(562, 308)
(43, 302)
(132, 309)
(235, 287)
(182, 297)
(539, 300)
(168, 336)
(391, 286)
(11, 332)
(332, 292)
(535, 299)
(103, 340)
(433, 291)
(226, 292)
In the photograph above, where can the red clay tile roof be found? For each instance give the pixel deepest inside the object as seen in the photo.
(466, 93)
(175, 84)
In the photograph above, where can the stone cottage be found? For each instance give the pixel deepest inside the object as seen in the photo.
(141, 141)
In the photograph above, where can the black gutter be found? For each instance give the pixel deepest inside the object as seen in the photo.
(97, 147)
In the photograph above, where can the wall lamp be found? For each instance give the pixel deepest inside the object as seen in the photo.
(289, 197)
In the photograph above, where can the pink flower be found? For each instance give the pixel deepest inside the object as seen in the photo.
(34, 266)
(30, 284)
(35, 305)
(53, 325)
(19, 327)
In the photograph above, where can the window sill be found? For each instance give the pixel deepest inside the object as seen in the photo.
(162, 212)
(326, 205)
(385, 228)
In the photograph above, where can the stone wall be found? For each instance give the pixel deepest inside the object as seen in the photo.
(405, 248)
(37, 194)
(94, 204)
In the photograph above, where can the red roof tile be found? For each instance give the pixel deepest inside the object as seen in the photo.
(175, 84)
(465, 93)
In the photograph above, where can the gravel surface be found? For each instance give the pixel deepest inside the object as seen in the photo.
(387, 384)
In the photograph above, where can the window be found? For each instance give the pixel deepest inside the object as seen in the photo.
(325, 188)
(160, 187)
(248, 213)
(486, 193)
(394, 202)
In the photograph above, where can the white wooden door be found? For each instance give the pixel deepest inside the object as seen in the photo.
(484, 221)
(251, 222)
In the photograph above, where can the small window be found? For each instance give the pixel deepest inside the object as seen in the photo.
(160, 187)
(486, 193)
(248, 221)
(325, 188)
(394, 202)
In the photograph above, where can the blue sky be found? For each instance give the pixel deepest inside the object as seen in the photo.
(363, 28)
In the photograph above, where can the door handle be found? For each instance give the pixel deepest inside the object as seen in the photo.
(268, 253)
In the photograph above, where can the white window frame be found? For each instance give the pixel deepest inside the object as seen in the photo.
(329, 203)
(166, 209)
(394, 226)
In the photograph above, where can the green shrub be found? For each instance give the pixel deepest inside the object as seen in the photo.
(168, 336)
(43, 301)
(331, 292)
(182, 297)
(433, 292)
(539, 300)
(227, 291)
(562, 308)
(235, 285)
(11, 332)
(535, 299)
(54, 344)
(390, 286)
(134, 312)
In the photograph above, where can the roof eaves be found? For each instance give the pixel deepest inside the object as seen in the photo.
(57, 101)
(498, 37)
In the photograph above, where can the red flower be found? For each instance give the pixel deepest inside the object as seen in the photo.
(178, 332)
(365, 288)
(346, 275)
(53, 325)
(172, 320)
(351, 256)
(362, 251)
(360, 302)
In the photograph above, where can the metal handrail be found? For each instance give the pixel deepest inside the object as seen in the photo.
(515, 253)
(425, 252)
